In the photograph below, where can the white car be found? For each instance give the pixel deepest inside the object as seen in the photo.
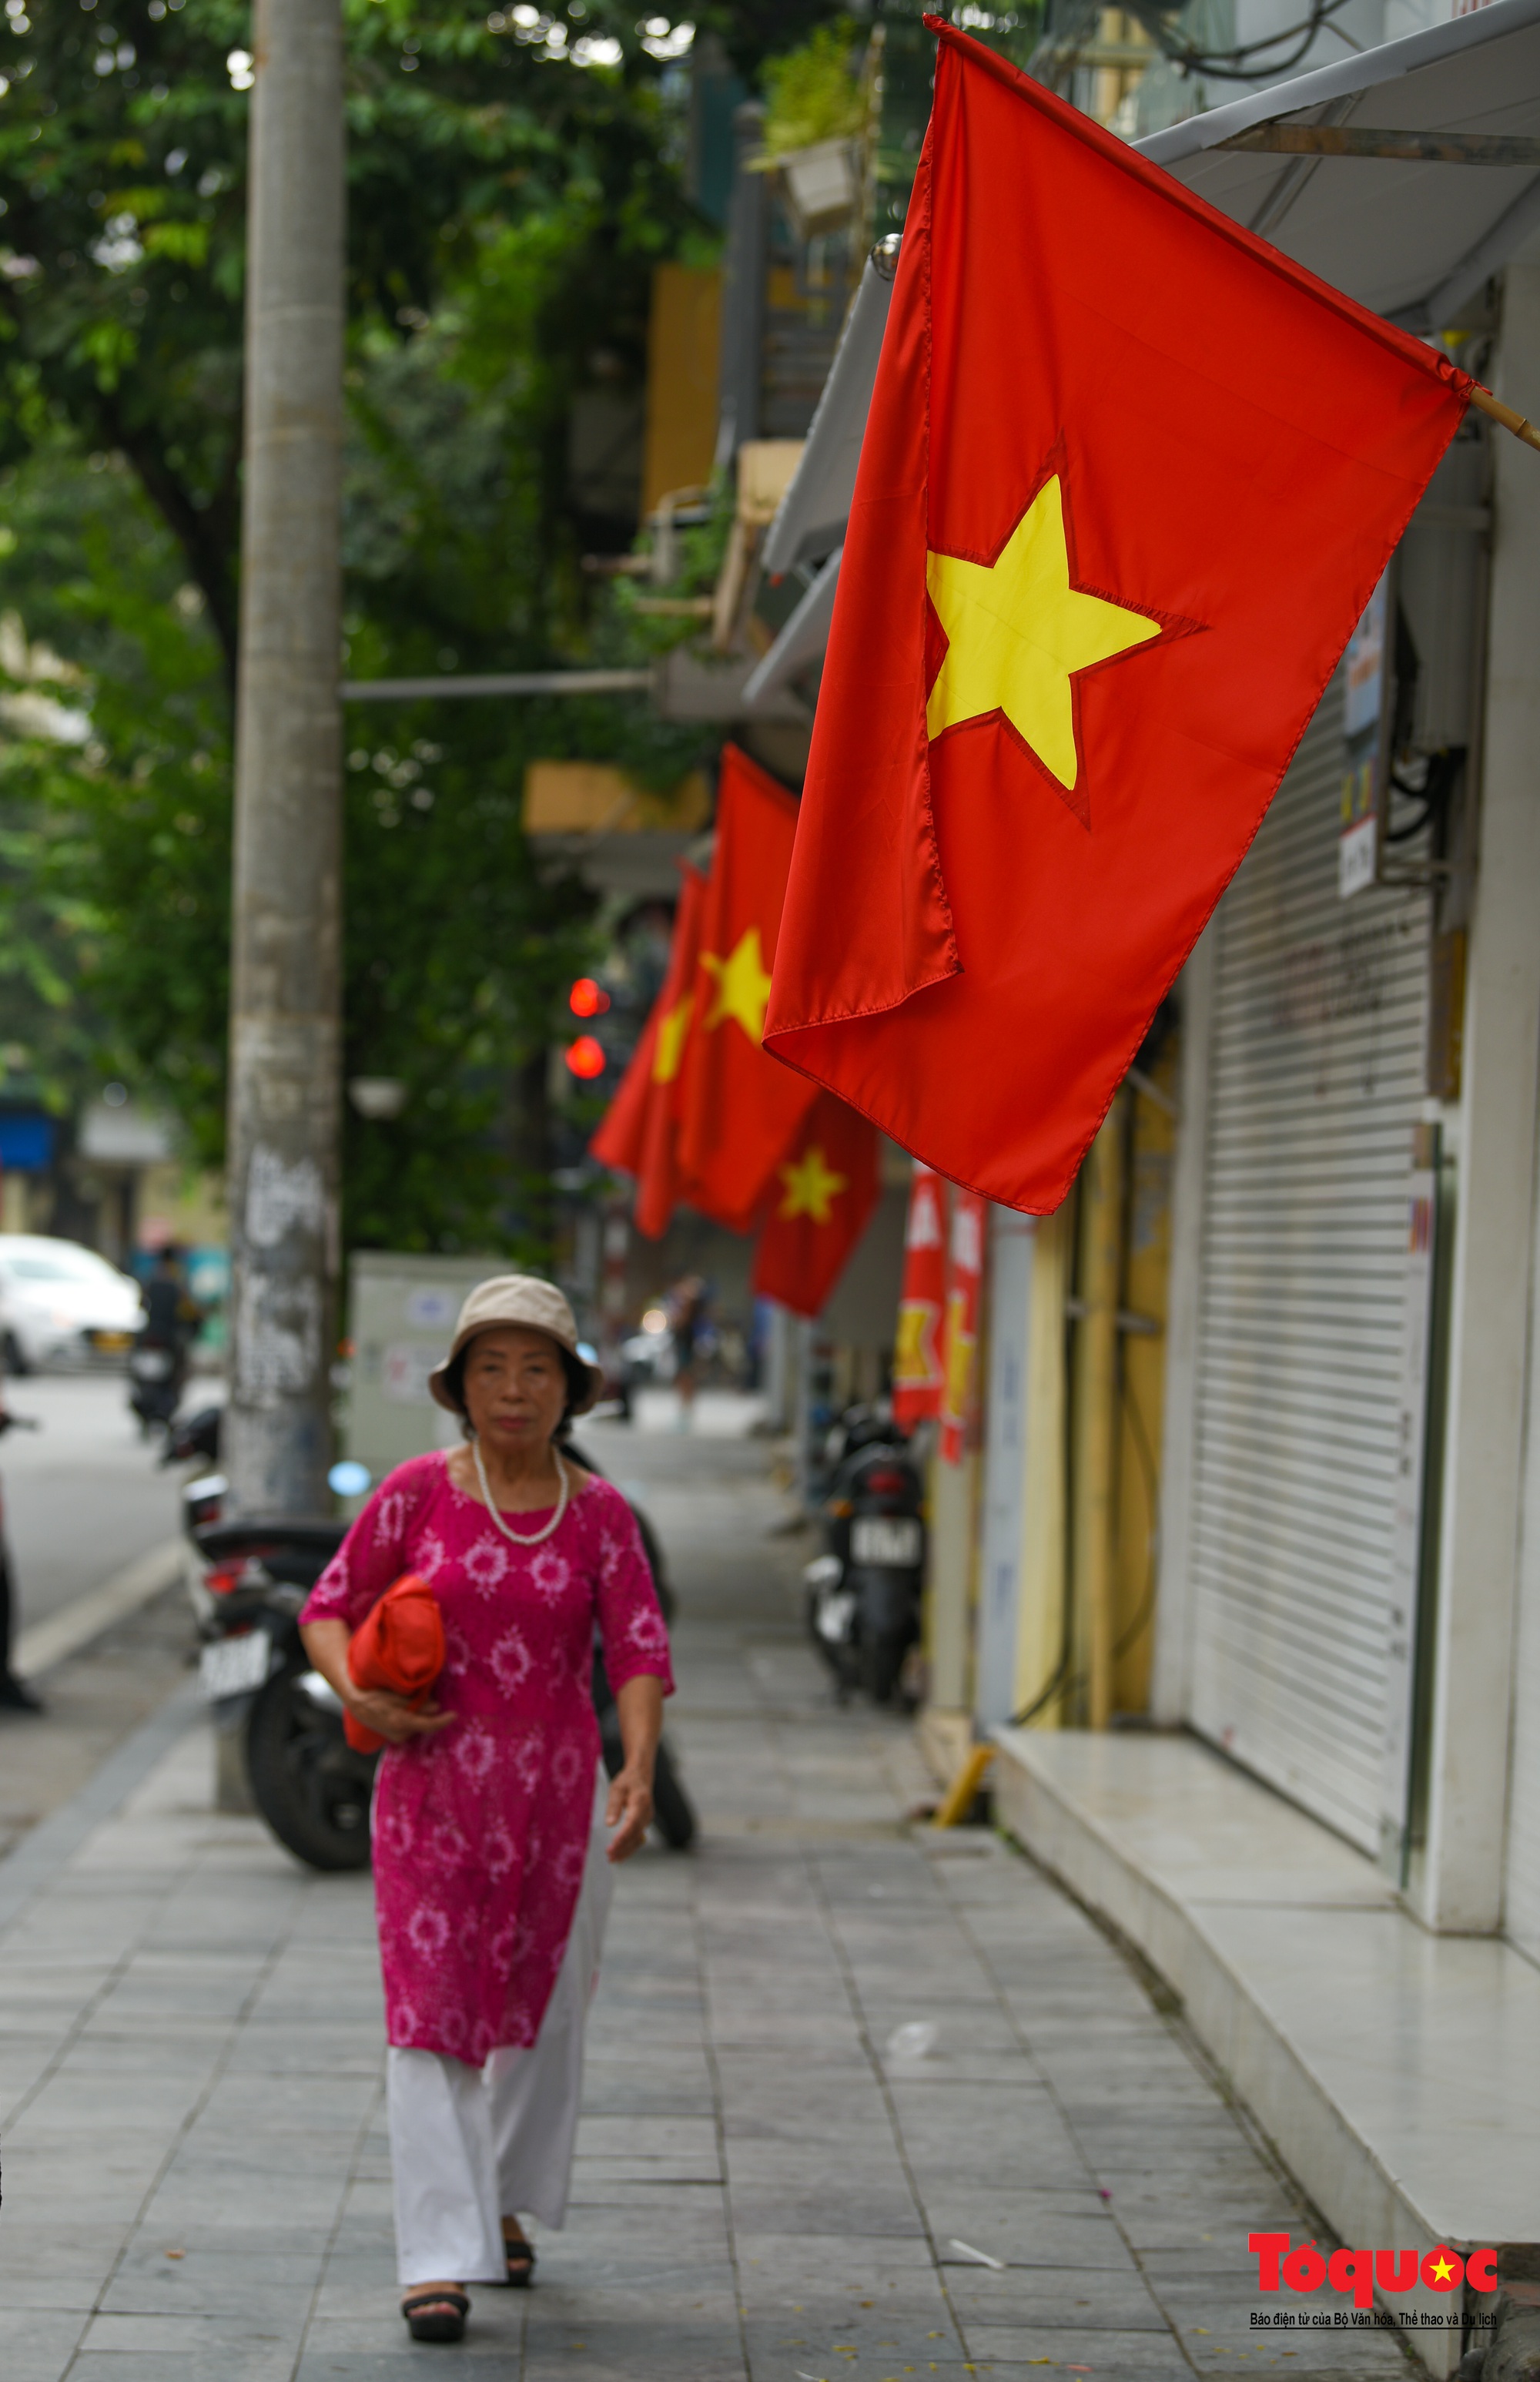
(61, 1304)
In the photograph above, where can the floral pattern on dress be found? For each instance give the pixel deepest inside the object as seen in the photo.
(480, 1831)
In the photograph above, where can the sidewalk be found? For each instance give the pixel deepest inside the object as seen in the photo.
(195, 2173)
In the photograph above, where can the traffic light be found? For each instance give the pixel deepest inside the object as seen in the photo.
(587, 999)
(585, 1057)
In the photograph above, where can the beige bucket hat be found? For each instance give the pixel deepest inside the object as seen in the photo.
(517, 1299)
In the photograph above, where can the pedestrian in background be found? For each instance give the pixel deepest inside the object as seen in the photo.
(491, 1867)
(687, 1320)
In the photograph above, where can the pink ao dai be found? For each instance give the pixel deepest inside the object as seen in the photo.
(481, 1831)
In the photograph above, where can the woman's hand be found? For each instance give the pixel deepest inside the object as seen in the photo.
(629, 1809)
(393, 1716)
(388, 1715)
(639, 1704)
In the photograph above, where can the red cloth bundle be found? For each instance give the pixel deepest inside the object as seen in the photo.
(399, 1646)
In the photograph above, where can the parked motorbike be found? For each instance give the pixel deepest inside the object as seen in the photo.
(156, 1372)
(863, 1590)
(249, 1581)
(194, 1437)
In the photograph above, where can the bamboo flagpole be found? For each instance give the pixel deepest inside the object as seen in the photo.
(1495, 410)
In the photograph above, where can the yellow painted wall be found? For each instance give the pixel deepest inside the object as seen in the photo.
(1147, 1269)
(683, 336)
(1044, 1517)
(579, 797)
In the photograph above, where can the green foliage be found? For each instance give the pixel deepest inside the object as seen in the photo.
(506, 209)
(812, 94)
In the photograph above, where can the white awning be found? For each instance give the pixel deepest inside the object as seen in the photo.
(817, 504)
(803, 638)
(1412, 240)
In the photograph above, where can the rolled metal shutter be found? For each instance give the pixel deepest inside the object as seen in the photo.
(1318, 1076)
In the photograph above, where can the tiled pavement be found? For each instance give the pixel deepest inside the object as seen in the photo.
(195, 2171)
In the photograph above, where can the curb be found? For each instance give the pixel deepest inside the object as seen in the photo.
(62, 1634)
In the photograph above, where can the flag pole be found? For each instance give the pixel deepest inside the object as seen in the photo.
(1493, 408)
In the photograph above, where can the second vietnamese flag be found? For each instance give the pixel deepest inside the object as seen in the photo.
(738, 1110)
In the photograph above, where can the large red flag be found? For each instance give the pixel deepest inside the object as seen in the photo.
(738, 1110)
(825, 1189)
(1128, 480)
(917, 1358)
(637, 1130)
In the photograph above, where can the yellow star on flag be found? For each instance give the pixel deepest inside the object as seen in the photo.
(811, 1186)
(742, 985)
(672, 1029)
(1017, 632)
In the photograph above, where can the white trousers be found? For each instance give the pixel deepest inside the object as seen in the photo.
(468, 2145)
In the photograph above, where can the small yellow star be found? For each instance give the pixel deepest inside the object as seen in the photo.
(742, 985)
(811, 1186)
(670, 1047)
(1441, 2268)
(1017, 632)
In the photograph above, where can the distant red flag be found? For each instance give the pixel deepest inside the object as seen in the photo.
(960, 1336)
(1129, 479)
(826, 1190)
(637, 1130)
(677, 1011)
(738, 1111)
(617, 1142)
(917, 1358)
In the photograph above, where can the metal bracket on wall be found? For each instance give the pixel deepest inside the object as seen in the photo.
(1416, 148)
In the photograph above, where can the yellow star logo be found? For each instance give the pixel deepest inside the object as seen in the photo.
(1441, 2268)
(1017, 632)
(915, 1355)
(742, 985)
(811, 1186)
(669, 1047)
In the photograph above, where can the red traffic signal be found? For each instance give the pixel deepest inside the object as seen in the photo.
(587, 999)
(585, 1057)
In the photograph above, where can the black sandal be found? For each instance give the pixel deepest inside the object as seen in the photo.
(520, 2263)
(436, 2316)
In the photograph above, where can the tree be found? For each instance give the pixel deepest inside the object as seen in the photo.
(506, 209)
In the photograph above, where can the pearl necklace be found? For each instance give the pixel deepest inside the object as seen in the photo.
(538, 1536)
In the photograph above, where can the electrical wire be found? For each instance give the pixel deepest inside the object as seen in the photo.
(1238, 63)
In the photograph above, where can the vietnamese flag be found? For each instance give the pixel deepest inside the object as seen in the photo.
(917, 1358)
(1128, 480)
(738, 1111)
(639, 1129)
(826, 1190)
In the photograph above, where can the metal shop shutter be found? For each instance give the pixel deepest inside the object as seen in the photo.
(1317, 1075)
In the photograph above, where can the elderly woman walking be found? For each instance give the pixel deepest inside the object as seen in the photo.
(491, 1867)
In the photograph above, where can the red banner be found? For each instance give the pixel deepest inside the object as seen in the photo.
(917, 1359)
(964, 1275)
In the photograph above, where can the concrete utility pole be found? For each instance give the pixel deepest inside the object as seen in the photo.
(285, 994)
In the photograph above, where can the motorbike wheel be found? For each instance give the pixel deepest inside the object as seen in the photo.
(673, 1812)
(17, 1362)
(882, 1660)
(308, 1783)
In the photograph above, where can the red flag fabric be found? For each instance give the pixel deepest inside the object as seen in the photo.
(1128, 480)
(622, 1129)
(825, 1193)
(917, 1358)
(675, 1009)
(738, 1111)
(637, 1130)
(964, 1275)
